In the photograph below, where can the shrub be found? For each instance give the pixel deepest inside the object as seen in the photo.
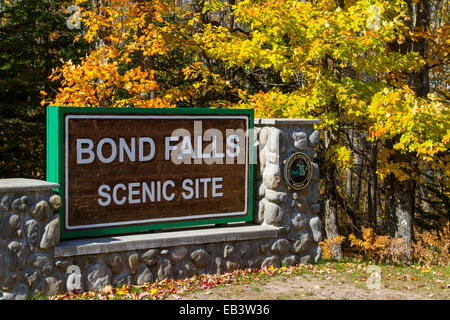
(432, 247)
(329, 246)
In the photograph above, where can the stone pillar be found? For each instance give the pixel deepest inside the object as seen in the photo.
(294, 212)
(29, 229)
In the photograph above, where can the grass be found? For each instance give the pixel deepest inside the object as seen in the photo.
(429, 281)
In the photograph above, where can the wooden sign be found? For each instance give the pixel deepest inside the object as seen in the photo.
(132, 169)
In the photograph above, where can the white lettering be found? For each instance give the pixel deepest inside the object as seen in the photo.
(216, 185)
(146, 191)
(187, 185)
(101, 193)
(132, 192)
(167, 198)
(129, 150)
(150, 156)
(169, 147)
(113, 150)
(88, 150)
(117, 201)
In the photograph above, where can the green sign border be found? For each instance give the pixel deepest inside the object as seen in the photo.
(55, 164)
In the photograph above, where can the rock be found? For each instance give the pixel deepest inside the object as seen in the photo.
(289, 260)
(305, 259)
(61, 265)
(21, 205)
(228, 251)
(263, 133)
(300, 140)
(55, 202)
(283, 231)
(144, 274)
(116, 263)
(272, 176)
(3, 265)
(20, 292)
(264, 247)
(133, 263)
(41, 212)
(217, 265)
(150, 257)
(50, 238)
(311, 153)
(31, 277)
(273, 214)
(231, 265)
(315, 172)
(9, 225)
(201, 258)
(243, 247)
(122, 279)
(259, 217)
(274, 140)
(41, 262)
(317, 253)
(17, 251)
(54, 285)
(262, 159)
(164, 269)
(211, 248)
(292, 203)
(302, 244)
(253, 258)
(298, 221)
(32, 233)
(185, 269)
(316, 228)
(315, 208)
(10, 281)
(97, 276)
(40, 288)
(314, 193)
(177, 254)
(256, 136)
(5, 204)
(280, 247)
(314, 139)
(271, 261)
(275, 196)
(261, 190)
(302, 204)
(272, 158)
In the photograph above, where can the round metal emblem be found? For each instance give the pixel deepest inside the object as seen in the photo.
(298, 171)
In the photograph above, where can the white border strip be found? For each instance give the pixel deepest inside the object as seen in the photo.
(124, 223)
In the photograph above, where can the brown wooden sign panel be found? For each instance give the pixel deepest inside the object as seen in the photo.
(131, 169)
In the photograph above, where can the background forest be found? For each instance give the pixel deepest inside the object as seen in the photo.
(374, 72)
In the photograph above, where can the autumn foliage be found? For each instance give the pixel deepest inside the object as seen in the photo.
(375, 73)
(429, 248)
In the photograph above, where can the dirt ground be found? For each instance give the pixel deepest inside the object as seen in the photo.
(339, 286)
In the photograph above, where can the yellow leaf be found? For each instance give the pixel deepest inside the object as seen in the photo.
(123, 290)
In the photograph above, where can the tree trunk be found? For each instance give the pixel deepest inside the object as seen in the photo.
(358, 173)
(420, 13)
(400, 204)
(349, 182)
(330, 197)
